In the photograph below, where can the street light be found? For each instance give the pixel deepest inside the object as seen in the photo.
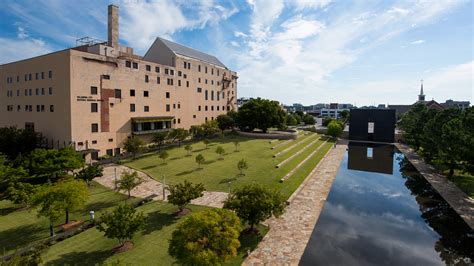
(229, 185)
(115, 177)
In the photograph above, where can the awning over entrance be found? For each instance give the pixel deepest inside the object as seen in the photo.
(151, 124)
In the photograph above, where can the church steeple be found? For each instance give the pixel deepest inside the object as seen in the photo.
(421, 97)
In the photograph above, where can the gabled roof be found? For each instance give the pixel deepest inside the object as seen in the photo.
(189, 52)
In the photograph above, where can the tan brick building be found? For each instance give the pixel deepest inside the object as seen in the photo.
(96, 95)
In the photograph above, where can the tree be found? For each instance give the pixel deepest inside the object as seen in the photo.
(164, 155)
(49, 205)
(209, 237)
(334, 128)
(196, 131)
(188, 149)
(225, 122)
(178, 134)
(90, 172)
(291, 121)
(210, 129)
(14, 141)
(200, 160)
(133, 145)
(453, 145)
(159, 138)
(21, 193)
(242, 165)
(309, 119)
(327, 120)
(236, 145)
(344, 114)
(181, 194)
(432, 131)
(220, 151)
(413, 123)
(122, 223)
(128, 181)
(254, 204)
(206, 142)
(262, 114)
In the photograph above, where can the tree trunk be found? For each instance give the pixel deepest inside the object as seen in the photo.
(451, 171)
(51, 229)
(129, 194)
(67, 216)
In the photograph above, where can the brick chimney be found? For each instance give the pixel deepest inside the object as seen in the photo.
(113, 24)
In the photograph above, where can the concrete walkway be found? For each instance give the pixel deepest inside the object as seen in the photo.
(457, 199)
(285, 242)
(152, 188)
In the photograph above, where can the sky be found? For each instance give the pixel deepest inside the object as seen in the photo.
(364, 52)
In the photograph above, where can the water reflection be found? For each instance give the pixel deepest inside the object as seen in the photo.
(382, 212)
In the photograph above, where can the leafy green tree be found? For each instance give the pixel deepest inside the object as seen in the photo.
(220, 151)
(262, 114)
(334, 128)
(21, 193)
(236, 145)
(209, 237)
(413, 123)
(122, 223)
(15, 141)
(242, 166)
(159, 138)
(163, 155)
(344, 114)
(181, 194)
(210, 129)
(188, 149)
(73, 193)
(196, 131)
(225, 122)
(178, 135)
(468, 131)
(200, 160)
(133, 145)
(432, 131)
(90, 172)
(50, 205)
(128, 181)
(309, 119)
(453, 148)
(254, 204)
(327, 121)
(291, 121)
(206, 142)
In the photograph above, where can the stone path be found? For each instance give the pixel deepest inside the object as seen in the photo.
(152, 188)
(285, 242)
(457, 199)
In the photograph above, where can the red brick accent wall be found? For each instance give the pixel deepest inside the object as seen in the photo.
(105, 94)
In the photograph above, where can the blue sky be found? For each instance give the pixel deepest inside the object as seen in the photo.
(360, 52)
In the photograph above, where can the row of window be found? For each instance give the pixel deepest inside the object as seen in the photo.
(29, 92)
(206, 94)
(29, 108)
(146, 108)
(28, 77)
(212, 108)
(134, 65)
(93, 142)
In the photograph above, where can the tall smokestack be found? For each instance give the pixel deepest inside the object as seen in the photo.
(113, 25)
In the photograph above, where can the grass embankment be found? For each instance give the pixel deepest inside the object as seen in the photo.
(215, 174)
(150, 245)
(20, 227)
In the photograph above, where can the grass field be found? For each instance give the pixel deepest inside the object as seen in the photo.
(465, 182)
(20, 227)
(150, 245)
(215, 174)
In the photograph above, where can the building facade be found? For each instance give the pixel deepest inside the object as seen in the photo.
(96, 95)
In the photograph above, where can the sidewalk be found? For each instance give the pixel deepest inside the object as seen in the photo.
(286, 240)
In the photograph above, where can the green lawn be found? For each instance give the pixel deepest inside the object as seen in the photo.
(465, 182)
(215, 174)
(150, 245)
(20, 227)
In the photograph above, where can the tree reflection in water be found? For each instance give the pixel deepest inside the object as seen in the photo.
(456, 243)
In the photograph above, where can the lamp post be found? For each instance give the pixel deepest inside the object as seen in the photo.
(229, 185)
(115, 178)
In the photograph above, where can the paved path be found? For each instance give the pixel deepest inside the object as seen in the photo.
(459, 201)
(285, 242)
(151, 187)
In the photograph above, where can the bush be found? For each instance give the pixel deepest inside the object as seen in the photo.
(335, 128)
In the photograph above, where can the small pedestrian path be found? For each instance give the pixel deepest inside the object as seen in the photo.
(152, 188)
(285, 242)
(457, 199)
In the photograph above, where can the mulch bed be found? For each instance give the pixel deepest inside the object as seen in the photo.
(122, 248)
(182, 213)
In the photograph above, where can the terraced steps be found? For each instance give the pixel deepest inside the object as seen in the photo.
(297, 153)
(292, 146)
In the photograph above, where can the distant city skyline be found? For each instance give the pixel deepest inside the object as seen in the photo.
(308, 52)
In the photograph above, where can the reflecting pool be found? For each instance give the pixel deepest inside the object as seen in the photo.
(381, 211)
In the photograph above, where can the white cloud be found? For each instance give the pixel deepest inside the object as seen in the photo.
(235, 44)
(21, 33)
(418, 42)
(451, 82)
(14, 50)
(302, 4)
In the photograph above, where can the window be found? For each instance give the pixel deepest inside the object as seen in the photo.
(206, 81)
(370, 128)
(18, 108)
(50, 91)
(37, 91)
(94, 107)
(185, 65)
(179, 82)
(111, 140)
(187, 84)
(218, 72)
(205, 69)
(157, 69)
(157, 80)
(51, 108)
(94, 142)
(185, 76)
(212, 107)
(168, 108)
(145, 94)
(199, 68)
(146, 78)
(17, 92)
(179, 120)
(9, 108)
(174, 106)
(118, 93)
(148, 68)
(42, 76)
(212, 82)
(132, 107)
(29, 92)
(171, 72)
(180, 73)
(170, 81)
(199, 90)
(199, 80)
(109, 152)
(29, 76)
(132, 93)
(128, 64)
(167, 71)
(50, 74)
(167, 95)
(94, 127)
(194, 116)
(93, 90)
(217, 95)
(212, 95)
(206, 95)
(174, 121)
(135, 65)
(217, 107)
(106, 76)
(199, 108)
(36, 76)
(146, 108)
(205, 108)
(179, 105)
(212, 71)
(370, 152)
